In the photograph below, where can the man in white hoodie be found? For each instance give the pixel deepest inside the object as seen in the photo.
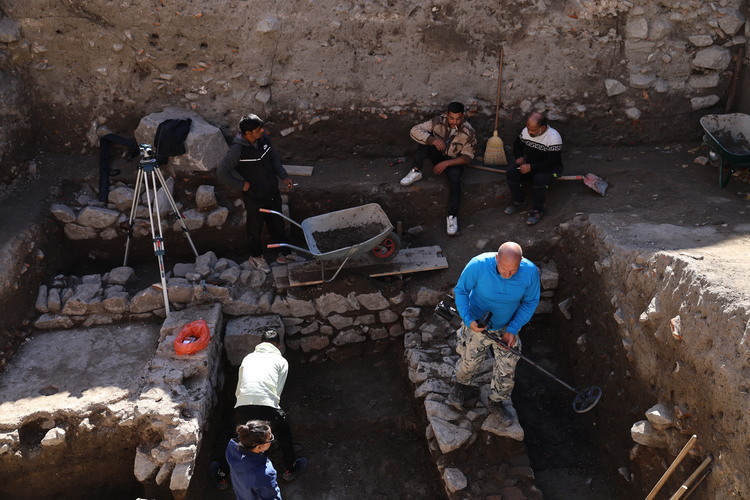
(260, 382)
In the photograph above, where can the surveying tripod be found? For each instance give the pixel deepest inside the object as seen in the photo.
(148, 165)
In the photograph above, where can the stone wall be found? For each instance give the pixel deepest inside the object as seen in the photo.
(604, 71)
(670, 340)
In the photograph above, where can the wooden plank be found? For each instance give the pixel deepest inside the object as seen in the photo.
(301, 170)
(280, 276)
(408, 260)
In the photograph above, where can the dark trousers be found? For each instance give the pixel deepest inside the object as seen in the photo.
(540, 183)
(453, 173)
(256, 219)
(282, 433)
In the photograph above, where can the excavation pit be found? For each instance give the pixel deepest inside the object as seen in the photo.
(609, 267)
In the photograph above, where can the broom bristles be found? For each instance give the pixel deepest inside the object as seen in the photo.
(494, 154)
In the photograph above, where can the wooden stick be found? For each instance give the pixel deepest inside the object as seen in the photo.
(670, 470)
(697, 483)
(735, 79)
(686, 485)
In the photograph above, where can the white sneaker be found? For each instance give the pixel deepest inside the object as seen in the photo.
(412, 177)
(290, 257)
(260, 264)
(451, 225)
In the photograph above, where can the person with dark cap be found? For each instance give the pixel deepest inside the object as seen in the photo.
(538, 153)
(448, 141)
(253, 167)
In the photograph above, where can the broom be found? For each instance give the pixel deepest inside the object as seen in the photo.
(494, 153)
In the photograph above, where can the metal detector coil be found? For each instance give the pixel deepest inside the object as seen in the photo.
(585, 398)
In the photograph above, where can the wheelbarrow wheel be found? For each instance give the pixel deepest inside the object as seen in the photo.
(388, 248)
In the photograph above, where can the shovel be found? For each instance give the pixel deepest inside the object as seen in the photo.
(593, 181)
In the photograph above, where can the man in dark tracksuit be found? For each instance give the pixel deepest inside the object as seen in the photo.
(253, 166)
(538, 153)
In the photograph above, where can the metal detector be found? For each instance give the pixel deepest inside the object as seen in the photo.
(149, 165)
(585, 399)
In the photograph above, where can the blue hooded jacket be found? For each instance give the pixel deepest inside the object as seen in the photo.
(253, 475)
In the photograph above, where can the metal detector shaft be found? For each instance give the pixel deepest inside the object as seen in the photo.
(500, 341)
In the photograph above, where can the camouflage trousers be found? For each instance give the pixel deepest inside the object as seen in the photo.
(472, 348)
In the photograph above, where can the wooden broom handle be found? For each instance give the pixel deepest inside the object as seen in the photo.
(499, 80)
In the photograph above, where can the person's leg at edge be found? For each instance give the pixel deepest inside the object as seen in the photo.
(454, 175)
(540, 185)
(503, 372)
(514, 178)
(275, 224)
(254, 224)
(472, 350)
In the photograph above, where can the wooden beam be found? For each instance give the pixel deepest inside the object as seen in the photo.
(298, 170)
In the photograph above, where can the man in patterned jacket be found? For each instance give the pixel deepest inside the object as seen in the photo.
(449, 142)
(538, 153)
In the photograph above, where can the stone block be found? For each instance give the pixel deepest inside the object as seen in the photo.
(165, 472)
(644, 433)
(731, 22)
(147, 300)
(76, 232)
(659, 29)
(431, 386)
(122, 198)
(377, 333)
(96, 217)
(230, 275)
(549, 276)
(41, 300)
(49, 321)
(454, 479)
(449, 437)
(53, 300)
(351, 336)
(244, 333)
(338, 322)
(314, 343)
(704, 81)
(713, 57)
(661, 416)
(181, 293)
(365, 319)
(205, 198)
(63, 213)
(143, 467)
(120, 275)
(701, 40)
(193, 219)
(642, 81)
(614, 87)
(53, 437)
(182, 269)
(441, 411)
(373, 301)
(217, 217)
(387, 316)
(85, 300)
(428, 297)
(205, 145)
(636, 28)
(180, 479)
(116, 302)
(300, 308)
(704, 101)
(331, 303)
(514, 431)
(9, 30)
(205, 263)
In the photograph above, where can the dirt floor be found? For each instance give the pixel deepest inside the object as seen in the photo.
(344, 437)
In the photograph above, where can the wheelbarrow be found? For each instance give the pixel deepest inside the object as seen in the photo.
(728, 138)
(345, 233)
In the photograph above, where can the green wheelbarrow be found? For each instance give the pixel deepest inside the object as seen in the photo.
(728, 139)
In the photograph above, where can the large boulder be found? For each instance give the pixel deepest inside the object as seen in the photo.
(205, 145)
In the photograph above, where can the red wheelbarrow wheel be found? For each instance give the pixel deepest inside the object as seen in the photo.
(388, 248)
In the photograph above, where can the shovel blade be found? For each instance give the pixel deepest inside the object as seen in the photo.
(596, 183)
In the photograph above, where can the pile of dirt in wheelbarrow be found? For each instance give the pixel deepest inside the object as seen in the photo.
(336, 239)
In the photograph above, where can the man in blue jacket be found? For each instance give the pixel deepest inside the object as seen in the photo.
(507, 285)
(253, 167)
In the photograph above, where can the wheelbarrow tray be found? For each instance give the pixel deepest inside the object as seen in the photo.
(729, 137)
(369, 216)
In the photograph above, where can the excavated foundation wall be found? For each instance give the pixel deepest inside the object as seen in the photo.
(608, 71)
(655, 328)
